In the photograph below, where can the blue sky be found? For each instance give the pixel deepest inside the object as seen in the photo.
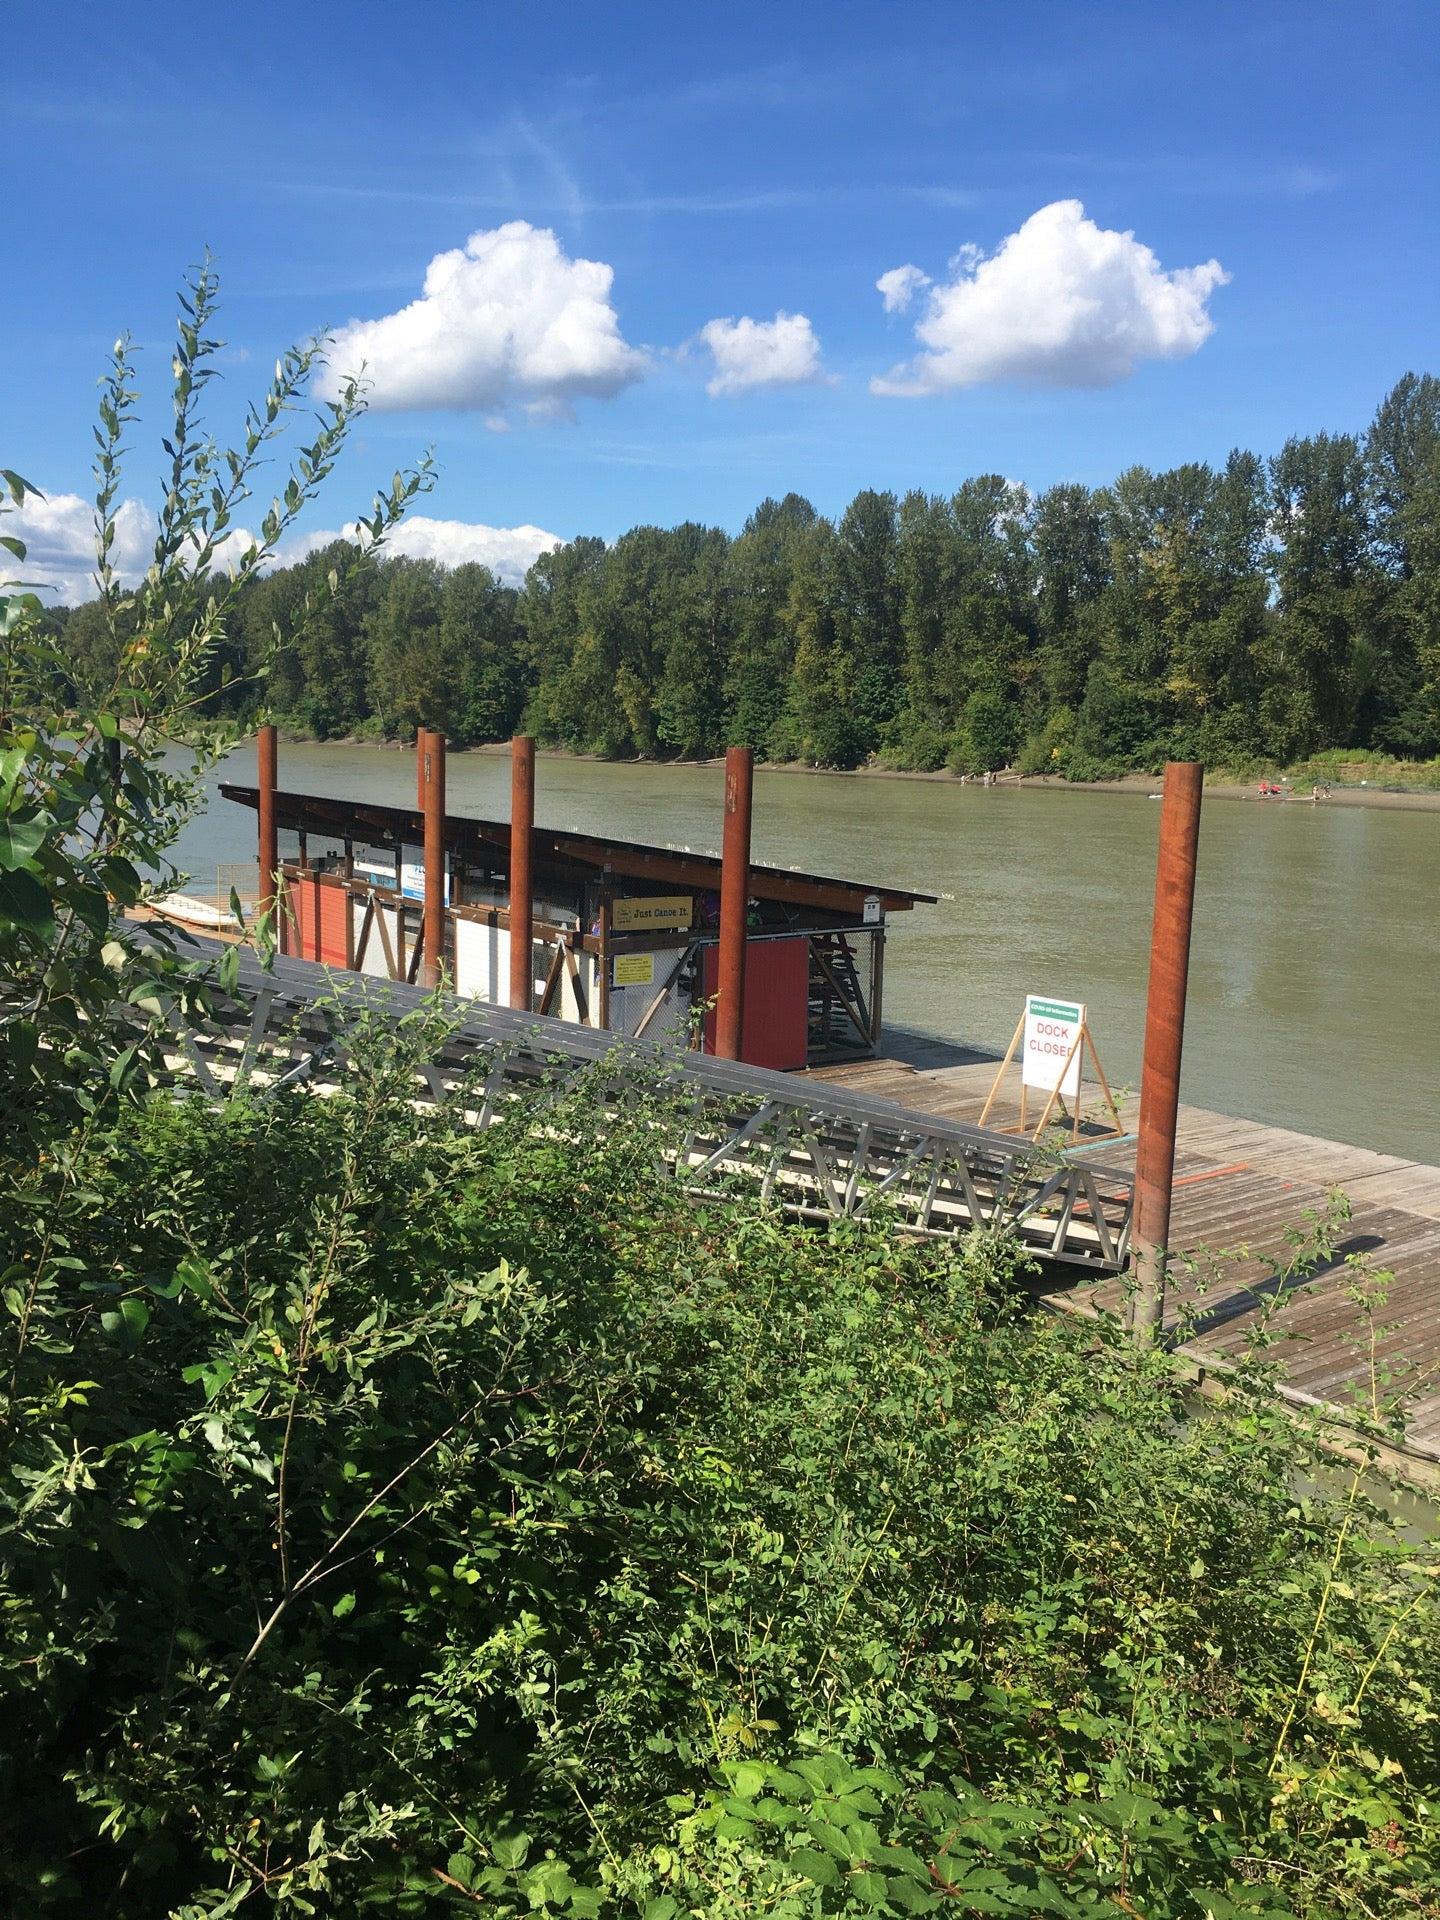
(723, 164)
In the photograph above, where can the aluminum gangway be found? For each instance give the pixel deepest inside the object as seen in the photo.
(809, 1148)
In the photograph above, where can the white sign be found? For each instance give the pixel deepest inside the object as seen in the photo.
(1052, 1036)
(412, 876)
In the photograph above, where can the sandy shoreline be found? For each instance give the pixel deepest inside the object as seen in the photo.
(1130, 785)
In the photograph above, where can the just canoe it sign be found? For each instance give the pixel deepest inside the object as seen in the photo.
(651, 913)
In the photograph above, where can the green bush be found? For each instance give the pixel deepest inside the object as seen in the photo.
(395, 1514)
(986, 736)
(919, 744)
(1048, 751)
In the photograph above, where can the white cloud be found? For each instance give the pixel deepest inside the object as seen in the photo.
(508, 318)
(782, 352)
(898, 287)
(509, 552)
(59, 534)
(1062, 302)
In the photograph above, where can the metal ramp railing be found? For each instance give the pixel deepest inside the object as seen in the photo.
(811, 1149)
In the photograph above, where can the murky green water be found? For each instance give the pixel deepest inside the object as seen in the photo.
(1315, 980)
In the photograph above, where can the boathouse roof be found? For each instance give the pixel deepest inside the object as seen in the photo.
(478, 840)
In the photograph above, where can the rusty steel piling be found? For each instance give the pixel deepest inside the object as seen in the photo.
(266, 780)
(1164, 1040)
(432, 790)
(522, 891)
(734, 898)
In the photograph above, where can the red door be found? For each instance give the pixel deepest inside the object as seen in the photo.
(777, 1001)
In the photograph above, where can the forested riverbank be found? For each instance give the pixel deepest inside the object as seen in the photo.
(1254, 615)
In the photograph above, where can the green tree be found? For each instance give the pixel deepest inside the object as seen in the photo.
(479, 644)
(330, 647)
(1402, 464)
(866, 600)
(819, 723)
(1072, 569)
(695, 644)
(762, 646)
(1322, 653)
(411, 679)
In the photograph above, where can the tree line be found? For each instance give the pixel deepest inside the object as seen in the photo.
(1267, 609)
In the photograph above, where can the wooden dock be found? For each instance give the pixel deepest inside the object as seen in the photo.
(1239, 1187)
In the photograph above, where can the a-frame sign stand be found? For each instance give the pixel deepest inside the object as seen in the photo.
(1084, 1040)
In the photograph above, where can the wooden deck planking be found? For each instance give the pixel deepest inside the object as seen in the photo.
(1240, 1184)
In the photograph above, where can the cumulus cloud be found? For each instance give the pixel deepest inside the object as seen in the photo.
(898, 287)
(509, 552)
(59, 534)
(748, 354)
(1062, 302)
(507, 319)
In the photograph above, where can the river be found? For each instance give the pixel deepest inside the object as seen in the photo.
(1315, 967)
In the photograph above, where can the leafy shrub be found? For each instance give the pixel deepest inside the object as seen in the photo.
(986, 735)
(1048, 751)
(395, 1514)
(918, 744)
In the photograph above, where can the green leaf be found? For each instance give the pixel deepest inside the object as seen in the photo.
(120, 879)
(818, 1867)
(23, 1042)
(12, 765)
(127, 1322)
(746, 1780)
(21, 839)
(345, 1604)
(194, 1276)
(25, 904)
(90, 906)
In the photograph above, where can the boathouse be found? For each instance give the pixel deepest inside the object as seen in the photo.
(625, 937)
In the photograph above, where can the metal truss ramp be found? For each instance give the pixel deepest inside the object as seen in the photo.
(811, 1149)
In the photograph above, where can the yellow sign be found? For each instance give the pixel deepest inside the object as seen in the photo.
(651, 913)
(634, 969)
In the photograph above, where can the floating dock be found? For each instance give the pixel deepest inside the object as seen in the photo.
(1241, 1188)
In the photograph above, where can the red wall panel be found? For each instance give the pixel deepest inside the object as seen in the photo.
(777, 996)
(321, 913)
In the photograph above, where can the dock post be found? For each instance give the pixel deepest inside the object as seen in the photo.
(432, 777)
(266, 782)
(1164, 1038)
(522, 892)
(734, 898)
